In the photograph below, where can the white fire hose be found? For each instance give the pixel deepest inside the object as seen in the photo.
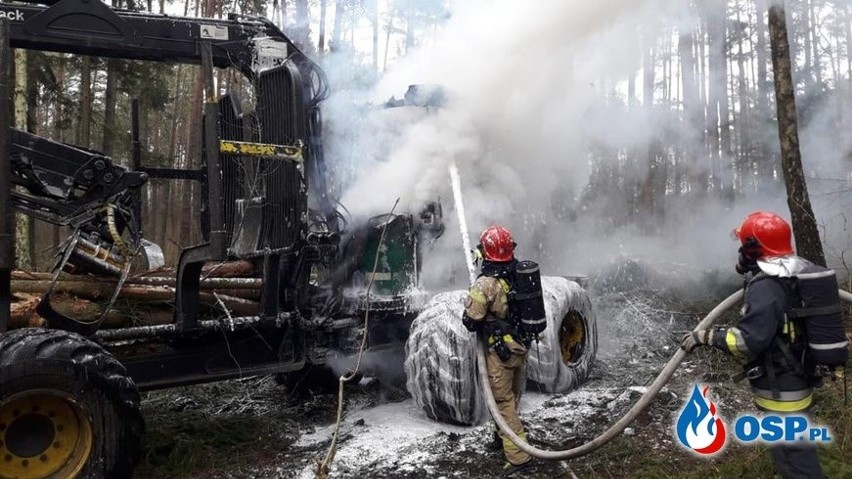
(845, 296)
(631, 415)
(643, 403)
(622, 423)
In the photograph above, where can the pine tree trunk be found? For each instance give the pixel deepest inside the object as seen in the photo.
(641, 193)
(19, 119)
(805, 19)
(805, 229)
(763, 155)
(85, 120)
(189, 219)
(701, 70)
(744, 113)
(667, 72)
(58, 135)
(724, 165)
(337, 33)
(375, 15)
(409, 29)
(282, 13)
(323, 15)
(648, 79)
(631, 91)
(169, 220)
(301, 31)
(692, 109)
(31, 94)
(389, 27)
(145, 141)
(816, 65)
(847, 29)
(24, 246)
(32, 123)
(109, 106)
(717, 106)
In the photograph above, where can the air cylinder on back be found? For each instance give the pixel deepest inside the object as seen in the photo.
(529, 302)
(822, 315)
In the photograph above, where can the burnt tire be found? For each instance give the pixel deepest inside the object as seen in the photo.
(440, 363)
(562, 358)
(67, 406)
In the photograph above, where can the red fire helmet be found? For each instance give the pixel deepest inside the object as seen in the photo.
(496, 244)
(772, 233)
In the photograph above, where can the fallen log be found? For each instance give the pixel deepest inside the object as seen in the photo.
(228, 269)
(219, 269)
(216, 283)
(101, 291)
(23, 313)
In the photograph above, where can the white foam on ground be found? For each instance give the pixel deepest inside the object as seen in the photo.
(390, 433)
(399, 435)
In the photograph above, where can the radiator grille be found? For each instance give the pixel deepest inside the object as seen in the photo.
(233, 176)
(280, 118)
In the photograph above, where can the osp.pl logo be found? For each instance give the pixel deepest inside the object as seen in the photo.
(701, 431)
(698, 428)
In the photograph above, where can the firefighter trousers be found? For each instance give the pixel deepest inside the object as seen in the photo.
(507, 380)
(796, 461)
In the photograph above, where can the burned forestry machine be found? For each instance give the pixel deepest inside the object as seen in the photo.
(69, 387)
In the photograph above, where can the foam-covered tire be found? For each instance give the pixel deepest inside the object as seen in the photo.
(57, 389)
(562, 358)
(440, 363)
(440, 359)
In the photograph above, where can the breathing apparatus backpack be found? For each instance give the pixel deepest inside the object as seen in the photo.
(526, 316)
(526, 303)
(817, 318)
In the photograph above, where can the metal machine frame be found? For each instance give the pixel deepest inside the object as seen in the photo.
(280, 142)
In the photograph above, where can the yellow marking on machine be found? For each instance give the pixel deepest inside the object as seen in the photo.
(244, 148)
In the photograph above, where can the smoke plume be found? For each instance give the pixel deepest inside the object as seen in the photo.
(534, 92)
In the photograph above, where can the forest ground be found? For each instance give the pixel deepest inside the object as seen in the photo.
(253, 428)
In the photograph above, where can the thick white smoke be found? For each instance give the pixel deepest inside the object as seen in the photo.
(530, 90)
(521, 88)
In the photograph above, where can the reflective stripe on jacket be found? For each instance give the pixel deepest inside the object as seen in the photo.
(766, 303)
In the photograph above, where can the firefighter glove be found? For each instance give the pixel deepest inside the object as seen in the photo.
(702, 337)
(472, 324)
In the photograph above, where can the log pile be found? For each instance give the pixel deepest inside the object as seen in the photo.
(145, 299)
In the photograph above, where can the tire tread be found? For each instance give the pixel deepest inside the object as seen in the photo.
(34, 346)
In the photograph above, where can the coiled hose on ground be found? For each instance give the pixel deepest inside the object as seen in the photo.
(631, 415)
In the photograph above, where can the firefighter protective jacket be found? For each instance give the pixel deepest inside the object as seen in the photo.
(756, 337)
(487, 297)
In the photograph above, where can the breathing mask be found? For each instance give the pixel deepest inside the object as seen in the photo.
(748, 254)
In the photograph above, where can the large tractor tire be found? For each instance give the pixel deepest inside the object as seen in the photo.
(562, 358)
(67, 408)
(440, 363)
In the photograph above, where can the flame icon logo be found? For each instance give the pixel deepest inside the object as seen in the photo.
(697, 427)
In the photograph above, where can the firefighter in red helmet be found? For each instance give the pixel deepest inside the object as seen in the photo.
(487, 309)
(766, 337)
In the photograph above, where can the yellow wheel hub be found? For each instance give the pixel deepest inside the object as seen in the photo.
(572, 336)
(43, 434)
